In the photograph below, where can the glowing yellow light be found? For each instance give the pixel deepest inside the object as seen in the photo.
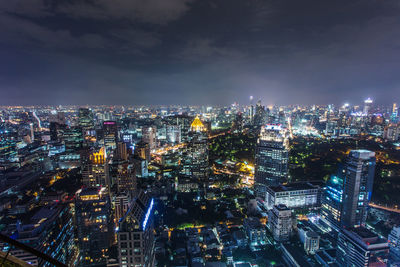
(197, 125)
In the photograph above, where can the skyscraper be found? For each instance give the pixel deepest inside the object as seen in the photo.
(272, 155)
(136, 233)
(121, 152)
(94, 170)
(110, 130)
(85, 120)
(142, 150)
(94, 224)
(197, 160)
(260, 116)
(357, 187)
(149, 135)
(126, 178)
(73, 139)
(395, 113)
(332, 202)
(367, 106)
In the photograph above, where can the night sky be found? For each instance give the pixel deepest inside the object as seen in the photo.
(199, 51)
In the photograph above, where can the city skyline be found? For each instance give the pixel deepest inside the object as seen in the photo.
(198, 52)
(199, 133)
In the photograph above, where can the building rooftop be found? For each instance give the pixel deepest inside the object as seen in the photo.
(365, 236)
(281, 207)
(293, 187)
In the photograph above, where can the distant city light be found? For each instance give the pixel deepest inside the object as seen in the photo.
(368, 101)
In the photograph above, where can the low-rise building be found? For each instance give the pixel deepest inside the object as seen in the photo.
(293, 195)
(361, 247)
(256, 232)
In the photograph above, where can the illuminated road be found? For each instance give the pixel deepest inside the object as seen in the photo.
(384, 208)
(247, 180)
(216, 135)
(168, 148)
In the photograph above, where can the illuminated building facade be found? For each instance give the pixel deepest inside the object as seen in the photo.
(184, 122)
(395, 113)
(367, 106)
(197, 150)
(391, 132)
(294, 195)
(121, 152)
(360, 247)
(94, 224)
(331, 202)
(122, 203)
(85, 120)
(51, 231)
(394, 243)
(142, 150)
(149, 136)
(272, 155)
(8, 151)
(357, 187)
(73, 139)
(94, 170)
(256, 232)
(110, 130)
(126, 177)
(173, 134)
(136, 234)
(280, 222)
(261, 115)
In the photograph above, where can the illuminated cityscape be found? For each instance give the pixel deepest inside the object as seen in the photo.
(187, 186)
(188, 133)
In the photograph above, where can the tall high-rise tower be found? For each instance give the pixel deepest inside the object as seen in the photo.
(136, 233)
(272, 155)
(198, 150)
(149, 136)
(94, 225)
(110, 130)
(94, 170)
(367, 106)
(357, 187)
(85, 120)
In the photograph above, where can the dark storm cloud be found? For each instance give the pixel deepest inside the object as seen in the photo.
(198, 52)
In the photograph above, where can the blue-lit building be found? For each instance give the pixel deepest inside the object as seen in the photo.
(332, 199)
(94, 223)
(357, 187)
(347, 194)
(136, 233)
(50, 231)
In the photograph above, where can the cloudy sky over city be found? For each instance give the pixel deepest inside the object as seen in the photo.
(199, 51)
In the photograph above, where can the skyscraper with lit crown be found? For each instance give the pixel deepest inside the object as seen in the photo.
(197, 160)
(94, 170)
